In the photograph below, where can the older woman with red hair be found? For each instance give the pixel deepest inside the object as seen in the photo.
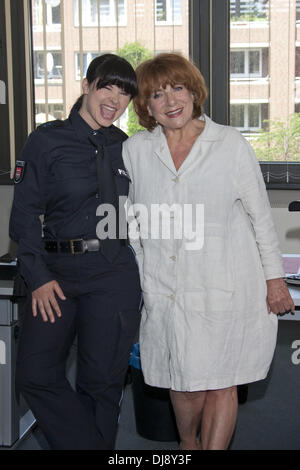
(209, 321)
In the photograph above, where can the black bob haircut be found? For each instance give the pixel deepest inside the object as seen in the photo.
(110, 69)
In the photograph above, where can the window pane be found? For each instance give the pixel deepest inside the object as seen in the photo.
(248, 10)
(237, 62)
(269, 34)
(161, 10)
(237, 115)
(254, 62)
(253, 116)
(55, 12)
(130, 28)
(168, 11)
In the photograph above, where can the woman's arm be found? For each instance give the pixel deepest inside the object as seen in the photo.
(26, 229)
(254, 197)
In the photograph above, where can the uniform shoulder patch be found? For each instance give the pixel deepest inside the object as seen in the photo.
(19, 171)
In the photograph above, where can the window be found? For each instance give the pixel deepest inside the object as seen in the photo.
(247, 117)
(53, 62)
(107, 12)
(168, 12)
(15, 102)
(61, 57)
(52, 12)
(246, 63)
(297, 11)
(248, 10)
(264, 84)
(262, 96)
(53, 110)
(87, 57)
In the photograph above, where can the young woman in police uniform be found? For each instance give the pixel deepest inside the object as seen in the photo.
(78, 284)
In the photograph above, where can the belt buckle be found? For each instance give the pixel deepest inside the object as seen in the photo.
(72, 246)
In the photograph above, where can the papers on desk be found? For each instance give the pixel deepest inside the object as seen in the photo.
(291, 264)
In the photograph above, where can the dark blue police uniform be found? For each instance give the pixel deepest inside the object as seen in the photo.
(57, 177)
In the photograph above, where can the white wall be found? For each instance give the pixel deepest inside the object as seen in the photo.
(287, 223)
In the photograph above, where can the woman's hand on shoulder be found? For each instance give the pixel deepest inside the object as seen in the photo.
(279, 299)
(44, 301)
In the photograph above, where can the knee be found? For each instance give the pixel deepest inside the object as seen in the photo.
(222, 394)
(30, 376)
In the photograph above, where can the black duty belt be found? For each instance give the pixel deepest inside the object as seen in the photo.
(76, 246)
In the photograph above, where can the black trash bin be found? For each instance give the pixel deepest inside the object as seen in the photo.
(154, 414)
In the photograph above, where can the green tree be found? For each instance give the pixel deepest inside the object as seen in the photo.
(135, 53)
(281, 142)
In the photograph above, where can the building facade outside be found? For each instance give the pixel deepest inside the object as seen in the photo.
(264, 51)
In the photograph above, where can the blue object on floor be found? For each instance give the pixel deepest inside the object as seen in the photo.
(154, 414)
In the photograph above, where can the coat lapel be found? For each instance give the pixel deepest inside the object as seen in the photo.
(161, 149)
(212, 132)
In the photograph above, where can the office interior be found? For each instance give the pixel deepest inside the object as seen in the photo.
(248, 52)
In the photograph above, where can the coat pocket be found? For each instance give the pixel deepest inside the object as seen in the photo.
(211, 267)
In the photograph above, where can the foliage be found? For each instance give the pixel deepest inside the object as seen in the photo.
(280, 142)
(134, 53)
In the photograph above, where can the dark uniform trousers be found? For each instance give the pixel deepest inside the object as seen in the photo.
(102, 308)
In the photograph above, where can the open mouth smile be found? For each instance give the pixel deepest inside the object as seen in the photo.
(108, 112)
(173, 114)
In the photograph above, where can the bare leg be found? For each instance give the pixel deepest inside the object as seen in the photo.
(188, 408)
(219, 418)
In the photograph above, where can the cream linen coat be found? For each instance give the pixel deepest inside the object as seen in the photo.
(205, 323)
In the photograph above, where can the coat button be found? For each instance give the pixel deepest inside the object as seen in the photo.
(172, 297)
(173, 258)
(176, 179)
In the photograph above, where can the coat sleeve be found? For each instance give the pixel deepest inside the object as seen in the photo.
(254, 197)
(133, 226)
(28, 205)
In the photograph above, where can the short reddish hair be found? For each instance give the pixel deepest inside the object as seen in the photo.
(160, 71)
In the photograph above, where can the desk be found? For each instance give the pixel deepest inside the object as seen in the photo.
(295, 293)
(15, 417)
(291, 264)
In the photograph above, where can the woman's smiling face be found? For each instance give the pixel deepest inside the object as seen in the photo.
(102, 106)
(172, 106)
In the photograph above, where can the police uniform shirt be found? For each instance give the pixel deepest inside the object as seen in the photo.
(59, 180)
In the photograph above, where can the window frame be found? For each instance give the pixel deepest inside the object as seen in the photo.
(113, 20)
(208, 23)
(49, 20)
(51, 80)
(77, 63)
(169, 15)
(209, 20)
(246, 107)
(17, 109)
(247, 74)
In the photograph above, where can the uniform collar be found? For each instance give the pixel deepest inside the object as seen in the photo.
(84, 131)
